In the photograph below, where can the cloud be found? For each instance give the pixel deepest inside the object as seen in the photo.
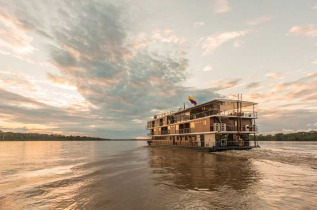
(222, 84)
(21, 129)
(16, 80)
(221, 6)
(310, 98)
(274, 75)
(166, 36)
(13, 38)
(209, 67)
(164, 39)
(284, 119)
(238, 43)
(253, 85)
(211, 43)
(300, 91)
(304, 87)
(307, 30)
(19, 111)
(259, 20)
(122, 78)
(120, 74)
(198, 24)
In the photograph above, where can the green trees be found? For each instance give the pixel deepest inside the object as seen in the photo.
(299, 136)
(10, 136)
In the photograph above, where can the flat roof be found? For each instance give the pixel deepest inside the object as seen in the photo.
(228, 103)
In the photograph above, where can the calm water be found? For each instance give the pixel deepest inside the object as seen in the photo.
(130, 175)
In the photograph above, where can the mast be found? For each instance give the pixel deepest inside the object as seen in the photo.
(240, 112)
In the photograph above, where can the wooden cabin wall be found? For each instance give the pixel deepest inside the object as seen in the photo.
(165, 120)
(173, 129)
(202, 125)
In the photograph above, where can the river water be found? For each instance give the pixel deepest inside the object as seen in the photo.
(131, 175)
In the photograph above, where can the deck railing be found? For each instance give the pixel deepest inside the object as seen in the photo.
(165, 132)
(185, 130)
(235, 128)
(213, 113)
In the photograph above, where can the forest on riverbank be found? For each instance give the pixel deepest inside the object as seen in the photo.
(10, 136)
(299, 136)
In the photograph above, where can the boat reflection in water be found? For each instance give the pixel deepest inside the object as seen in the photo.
(206, 180)
(188, 169)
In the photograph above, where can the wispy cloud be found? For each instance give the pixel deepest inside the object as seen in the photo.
(259, 20)
(17, 80)
(211, 43)
(119, 78)
(198, 24)
(280, 118)
(274, 75)
(253, 85)
(307, 30)
(221, 6)
(108, 69)
(167, 36)
(209, 67)
(223, 84)
(237, 43)
(13, 38)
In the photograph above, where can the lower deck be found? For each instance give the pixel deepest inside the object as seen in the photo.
(212, 142)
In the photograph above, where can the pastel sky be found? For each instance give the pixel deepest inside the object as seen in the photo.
(103, 68)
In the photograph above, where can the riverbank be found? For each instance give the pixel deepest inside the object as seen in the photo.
(11, 136)
(299, 136)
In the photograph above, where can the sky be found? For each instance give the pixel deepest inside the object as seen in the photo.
(104, 67)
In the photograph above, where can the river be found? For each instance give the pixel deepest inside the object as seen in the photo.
(131, 175)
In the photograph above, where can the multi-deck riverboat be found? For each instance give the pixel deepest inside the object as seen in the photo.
(216, 125)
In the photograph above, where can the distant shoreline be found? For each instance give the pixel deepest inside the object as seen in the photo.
(143, 140)
(10, 136)
(75, 140)
(284, 140)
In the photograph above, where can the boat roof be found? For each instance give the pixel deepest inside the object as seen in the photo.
(228, 104)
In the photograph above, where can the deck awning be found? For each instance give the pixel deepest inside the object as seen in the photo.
(225, 105)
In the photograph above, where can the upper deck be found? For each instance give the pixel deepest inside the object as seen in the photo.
(234, 114)
(217, 107)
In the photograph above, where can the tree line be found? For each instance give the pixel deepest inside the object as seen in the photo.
(10, 136)
(299, 136)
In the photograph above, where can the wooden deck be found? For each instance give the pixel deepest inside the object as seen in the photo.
(207, 149)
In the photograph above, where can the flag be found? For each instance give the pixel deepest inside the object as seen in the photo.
(192, 100)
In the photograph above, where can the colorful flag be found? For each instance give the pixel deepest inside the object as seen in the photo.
(192, 100)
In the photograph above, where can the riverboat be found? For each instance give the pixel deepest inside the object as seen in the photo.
(217, 125)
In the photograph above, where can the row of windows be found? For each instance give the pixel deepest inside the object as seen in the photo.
(192, 125)
(186, 138)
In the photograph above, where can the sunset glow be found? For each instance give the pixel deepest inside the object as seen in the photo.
(101, 68)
